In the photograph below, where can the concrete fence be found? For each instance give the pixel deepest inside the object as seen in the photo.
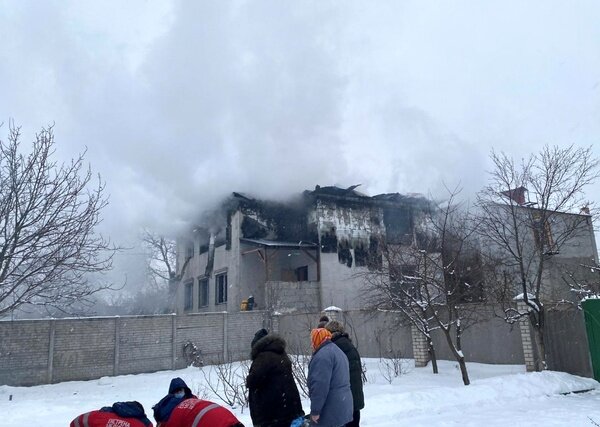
(49, 351)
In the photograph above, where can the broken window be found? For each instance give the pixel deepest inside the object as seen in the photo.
(203, 292)
(329, 243)
(375, 259)
(302, 273)
(252, 229)
(187, 297)
(189, 250)
(221, 288)
(398, 225)
(361, 255)
(344, 253)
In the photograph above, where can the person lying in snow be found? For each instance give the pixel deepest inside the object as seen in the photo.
(120, 414)
(180, 408)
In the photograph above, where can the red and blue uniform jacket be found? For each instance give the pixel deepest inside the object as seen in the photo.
(200, 413)
(105, 419)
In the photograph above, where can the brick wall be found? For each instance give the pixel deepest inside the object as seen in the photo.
(293, 296)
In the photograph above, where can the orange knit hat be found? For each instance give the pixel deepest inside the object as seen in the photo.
(317, 336)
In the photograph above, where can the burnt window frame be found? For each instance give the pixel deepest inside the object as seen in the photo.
(188, 295)
(203, 285)
(189, 250)
(221, 284)
(301, 271)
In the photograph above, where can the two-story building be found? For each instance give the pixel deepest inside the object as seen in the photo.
(304, 254)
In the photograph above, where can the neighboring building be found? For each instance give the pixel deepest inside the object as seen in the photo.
(564, 242)
(305, 254)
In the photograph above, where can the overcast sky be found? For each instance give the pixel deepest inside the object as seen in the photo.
(181, 102)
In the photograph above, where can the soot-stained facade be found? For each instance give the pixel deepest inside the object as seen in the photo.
(303, 254)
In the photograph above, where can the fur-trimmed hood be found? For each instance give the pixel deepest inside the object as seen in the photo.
(271, 342)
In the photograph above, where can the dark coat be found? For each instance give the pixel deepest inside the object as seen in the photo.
(329, 386)
(272, 393)
(128, 410)
(163, 409)
(343, 341)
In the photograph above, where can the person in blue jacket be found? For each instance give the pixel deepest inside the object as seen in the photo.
(328, 382)
(178, 392)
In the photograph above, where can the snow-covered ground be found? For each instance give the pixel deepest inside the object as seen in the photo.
(499, 395)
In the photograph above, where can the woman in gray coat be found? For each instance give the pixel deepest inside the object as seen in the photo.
(328, 382)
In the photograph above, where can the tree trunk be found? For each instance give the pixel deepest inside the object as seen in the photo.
(434, 365)
(458, 356)
(463, 370)
(537, 324)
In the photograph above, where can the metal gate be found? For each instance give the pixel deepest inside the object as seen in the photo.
(591, 309)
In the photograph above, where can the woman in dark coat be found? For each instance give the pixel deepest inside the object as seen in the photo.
(272, 393)
(340, 338)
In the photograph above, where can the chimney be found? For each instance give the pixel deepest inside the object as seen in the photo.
(518, 195)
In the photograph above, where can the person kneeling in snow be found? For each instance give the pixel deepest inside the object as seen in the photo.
(180, 408)
(120, 414)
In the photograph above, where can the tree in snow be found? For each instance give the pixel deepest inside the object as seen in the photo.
(435, 283)
(162, 262)
(522, 237)
(583, 280)
(48, 216)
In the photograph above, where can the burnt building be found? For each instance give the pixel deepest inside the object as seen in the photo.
(301, 255)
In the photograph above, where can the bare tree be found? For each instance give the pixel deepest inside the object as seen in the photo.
(433, 282)
(48, 215)
(162, 262)
(522, 236)
(582, 280)
(162, 255)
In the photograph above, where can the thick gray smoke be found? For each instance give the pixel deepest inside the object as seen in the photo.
(180, 103)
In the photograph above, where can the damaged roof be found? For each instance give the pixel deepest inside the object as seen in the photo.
(334, 190)
(277, 244)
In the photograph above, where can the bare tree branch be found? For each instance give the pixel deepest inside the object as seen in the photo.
(435, 282)
(48, 215)
(522, 236)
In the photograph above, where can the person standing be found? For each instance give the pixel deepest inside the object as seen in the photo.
(340, 338)
(323, 320)
(272, 393)
(328, 382)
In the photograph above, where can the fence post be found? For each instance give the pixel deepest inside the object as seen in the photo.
(51, 351)
(173, 340)
(225, 338)
(117, 345)
(420, 347)
(525, 330)
(333, 313)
